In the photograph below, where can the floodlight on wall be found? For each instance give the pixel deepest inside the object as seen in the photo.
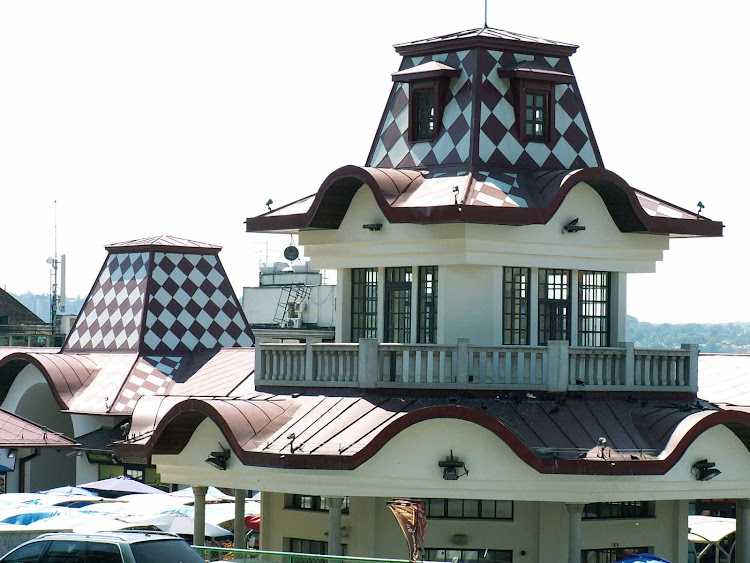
(372, 226)
(219, 459)
(12, 453)
(705, 470)
(573, 227)
(451, 466)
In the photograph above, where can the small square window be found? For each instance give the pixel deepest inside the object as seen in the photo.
(537, 123)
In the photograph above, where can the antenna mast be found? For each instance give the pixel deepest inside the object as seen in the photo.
(485, 13)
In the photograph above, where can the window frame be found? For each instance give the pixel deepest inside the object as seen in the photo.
(544, 330)
(544, 121)
(640, 509)
(431, 502)
(516, 322)
(363, 319)
(427, 304)
(597, 334)
(316, 503)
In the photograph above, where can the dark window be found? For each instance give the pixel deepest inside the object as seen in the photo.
(310, 502)
(593, 308)
(398, 304)
(314, 547)
(554, 305)
(28, 553)
(103, 553)
(609, 554)
(516, 306)
(427, 314)
(469, 555)
(364, 303)
(537, 116)
(630, 509)
(469, 508)
(65, 552)
(423, 114)
(164, 551)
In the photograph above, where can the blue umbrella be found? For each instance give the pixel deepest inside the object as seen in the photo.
(642, 558)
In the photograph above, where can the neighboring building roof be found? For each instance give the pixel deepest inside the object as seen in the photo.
(518, 198)
(161, 318)
(18, 313)
(342, 428)
(160, 295)
(17, 432)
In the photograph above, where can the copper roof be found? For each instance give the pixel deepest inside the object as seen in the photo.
(487, 37)
(511, 198)
(169, 243)
(17, 432)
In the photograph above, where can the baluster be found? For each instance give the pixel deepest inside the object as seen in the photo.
(521, 366)
(429, 376)
(441, 367)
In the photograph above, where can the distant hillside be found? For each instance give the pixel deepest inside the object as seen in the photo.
(39, 304)
(727, 338)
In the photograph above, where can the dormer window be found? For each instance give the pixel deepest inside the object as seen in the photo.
(534, 89)
(536, 127)
(428, 85)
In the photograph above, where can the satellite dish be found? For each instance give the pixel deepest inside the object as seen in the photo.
(291, 253)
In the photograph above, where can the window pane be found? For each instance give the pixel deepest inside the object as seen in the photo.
(427, 305)
(29, 553)
(471, 508)
(554, 305)
(593, 308)
(455, 508)
(515, 306)
(364, 320)
(103, 553)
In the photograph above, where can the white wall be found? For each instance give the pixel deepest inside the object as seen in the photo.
(260, 305)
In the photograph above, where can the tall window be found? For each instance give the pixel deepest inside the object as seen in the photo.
(469, 555)
(516, 306)
(423, 114)
(593, 308)
(314, 547)
(537, 116)
(364, 303)
(625, 509)
(315, 503)
(398, 304)
(427, 310)
(554, 305)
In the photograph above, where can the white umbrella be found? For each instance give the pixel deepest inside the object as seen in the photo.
(177, 523)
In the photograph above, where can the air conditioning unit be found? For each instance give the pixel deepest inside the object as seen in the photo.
(293, 323)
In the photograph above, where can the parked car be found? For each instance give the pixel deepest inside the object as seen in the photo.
(104, 547)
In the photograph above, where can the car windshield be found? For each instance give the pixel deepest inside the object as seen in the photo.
(164, 551)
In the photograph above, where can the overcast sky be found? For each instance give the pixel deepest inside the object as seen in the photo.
(182, 118)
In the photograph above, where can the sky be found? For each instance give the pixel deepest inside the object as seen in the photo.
(183, 118)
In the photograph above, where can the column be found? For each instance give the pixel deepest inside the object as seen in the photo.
(575, 511)
(680, 509)
(199, 525)
(743, 531)
(334, 525)
(239, 518)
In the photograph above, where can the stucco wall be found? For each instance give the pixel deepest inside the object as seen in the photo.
(260, 305)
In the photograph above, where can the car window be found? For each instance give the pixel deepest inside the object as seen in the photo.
(65, 551)
(165, 551)
(103, 553)
(26, 554)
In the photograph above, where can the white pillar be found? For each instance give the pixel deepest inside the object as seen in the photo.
(680, 530)
(199, 524)
(334, 525)
(239, 518)
(575, 511)
(743, 531)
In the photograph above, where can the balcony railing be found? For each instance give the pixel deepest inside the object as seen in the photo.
(556, 367)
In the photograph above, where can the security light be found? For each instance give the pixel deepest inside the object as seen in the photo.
(705, 470)
(269, 203)
(373, 226)
(573, 227)
(219, 459)
(451, 466)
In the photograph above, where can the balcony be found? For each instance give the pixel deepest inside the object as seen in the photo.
(555, 368)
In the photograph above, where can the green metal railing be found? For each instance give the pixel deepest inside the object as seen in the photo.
(230, 554)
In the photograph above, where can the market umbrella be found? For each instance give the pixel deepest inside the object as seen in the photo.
(175, 522)
(68, 490)
(642, 558)
(252, 522)
(118, 486)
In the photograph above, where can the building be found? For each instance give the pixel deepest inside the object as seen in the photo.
(19, 326)
(481, 361)
(160, 319)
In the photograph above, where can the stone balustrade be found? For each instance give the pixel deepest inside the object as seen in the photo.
(556, 367)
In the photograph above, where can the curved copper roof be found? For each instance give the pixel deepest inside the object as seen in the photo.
(409, 196)
(18, 432)
(552, 435)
